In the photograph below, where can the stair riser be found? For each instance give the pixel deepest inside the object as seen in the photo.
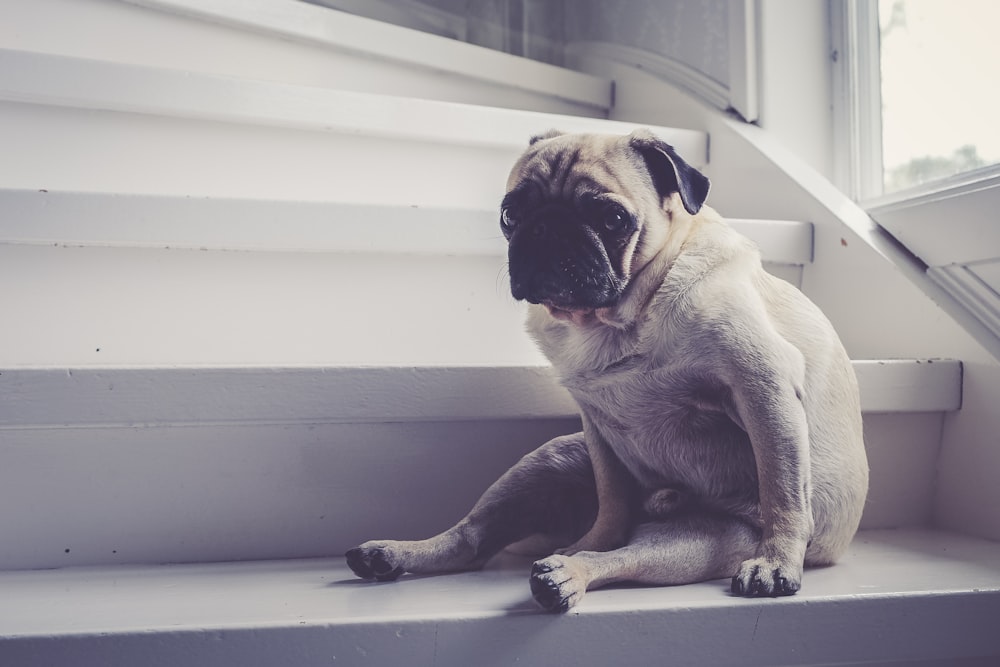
(84, 496)
(66, 149)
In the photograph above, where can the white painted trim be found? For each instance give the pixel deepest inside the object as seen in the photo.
(959, 185)
(743, 58)
(978, 297)
(857, 95)
(951, 223)
(89, 397)
(951, 227)
(338, 30)
(157, 221)
(90, 84)
(204, 396)
(111, 219)
(836, 208)
(670, 70)
(741, 94)
(921, 385)
(780, 241)
(898, 597)
(407, 13)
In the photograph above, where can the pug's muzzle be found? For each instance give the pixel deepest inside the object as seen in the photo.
(558, 261)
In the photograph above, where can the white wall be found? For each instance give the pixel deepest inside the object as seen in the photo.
(882, 306)
(795, 78)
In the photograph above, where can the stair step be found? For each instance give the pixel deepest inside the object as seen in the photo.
(80, 83)
(213, 405)
(101, 396)
(158, 221)
(907, 596)
(296, 43)
(383, 41)
(161, 131)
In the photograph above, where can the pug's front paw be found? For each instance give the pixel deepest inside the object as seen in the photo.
(763, 577)
(557, 584)
(375, 561)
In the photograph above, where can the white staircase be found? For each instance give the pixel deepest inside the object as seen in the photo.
(256, 312)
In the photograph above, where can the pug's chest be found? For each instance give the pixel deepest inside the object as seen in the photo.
(669, 425)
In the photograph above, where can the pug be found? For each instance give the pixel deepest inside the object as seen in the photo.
(722, 432)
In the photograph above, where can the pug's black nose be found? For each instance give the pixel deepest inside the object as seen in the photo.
(518, 289)
(539, 230)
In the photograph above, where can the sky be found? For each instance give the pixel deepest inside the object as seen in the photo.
(940, 79)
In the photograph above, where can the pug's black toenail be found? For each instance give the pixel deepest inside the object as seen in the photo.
(541, 568)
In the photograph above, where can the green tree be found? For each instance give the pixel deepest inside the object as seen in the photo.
(932, 167)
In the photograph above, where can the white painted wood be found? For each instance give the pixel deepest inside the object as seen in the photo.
(360, 394)
(232, 491)
(794, 73)
(980, 298)
(678, 73)
(988, 272)
(949, 225)
(201, 396)
(57, 149)
(903, 450)
(304, 132)
(86, 84)
(743, 58)
(137, 220)
(102, 218)
(301, 21)
(291, 42)
(780, 241)
(913, 597)
(857, 98)
(408, 13)
(925, 385)
(738, 28)
(114, 307)
(155, 308)
(194, 492)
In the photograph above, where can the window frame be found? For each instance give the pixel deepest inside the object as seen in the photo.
(857, 114)
(948, 225)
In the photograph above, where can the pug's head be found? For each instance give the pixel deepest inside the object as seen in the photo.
(584, 214)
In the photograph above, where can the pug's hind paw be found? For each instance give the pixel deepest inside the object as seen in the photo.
(761, 577)
(556, 584)
(374, 561)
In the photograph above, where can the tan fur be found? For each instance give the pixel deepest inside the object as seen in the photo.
(722, 428)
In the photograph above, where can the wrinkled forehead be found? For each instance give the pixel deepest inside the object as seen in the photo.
(570, 167)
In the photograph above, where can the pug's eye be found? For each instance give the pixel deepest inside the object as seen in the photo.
(507, 219)
(616, 219)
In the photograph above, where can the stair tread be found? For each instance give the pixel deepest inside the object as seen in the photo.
(32, 397)
(83, 83)
(922, 571)
(157, 220)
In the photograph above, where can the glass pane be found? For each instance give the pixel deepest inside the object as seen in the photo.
(940, 76)
(692, 33)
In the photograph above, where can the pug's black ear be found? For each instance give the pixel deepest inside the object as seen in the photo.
(545, 135)
(670, 172)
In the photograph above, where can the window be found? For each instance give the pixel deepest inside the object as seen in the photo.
(940, 66)
(916, 106)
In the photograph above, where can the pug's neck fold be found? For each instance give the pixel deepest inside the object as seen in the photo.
(646, 278)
